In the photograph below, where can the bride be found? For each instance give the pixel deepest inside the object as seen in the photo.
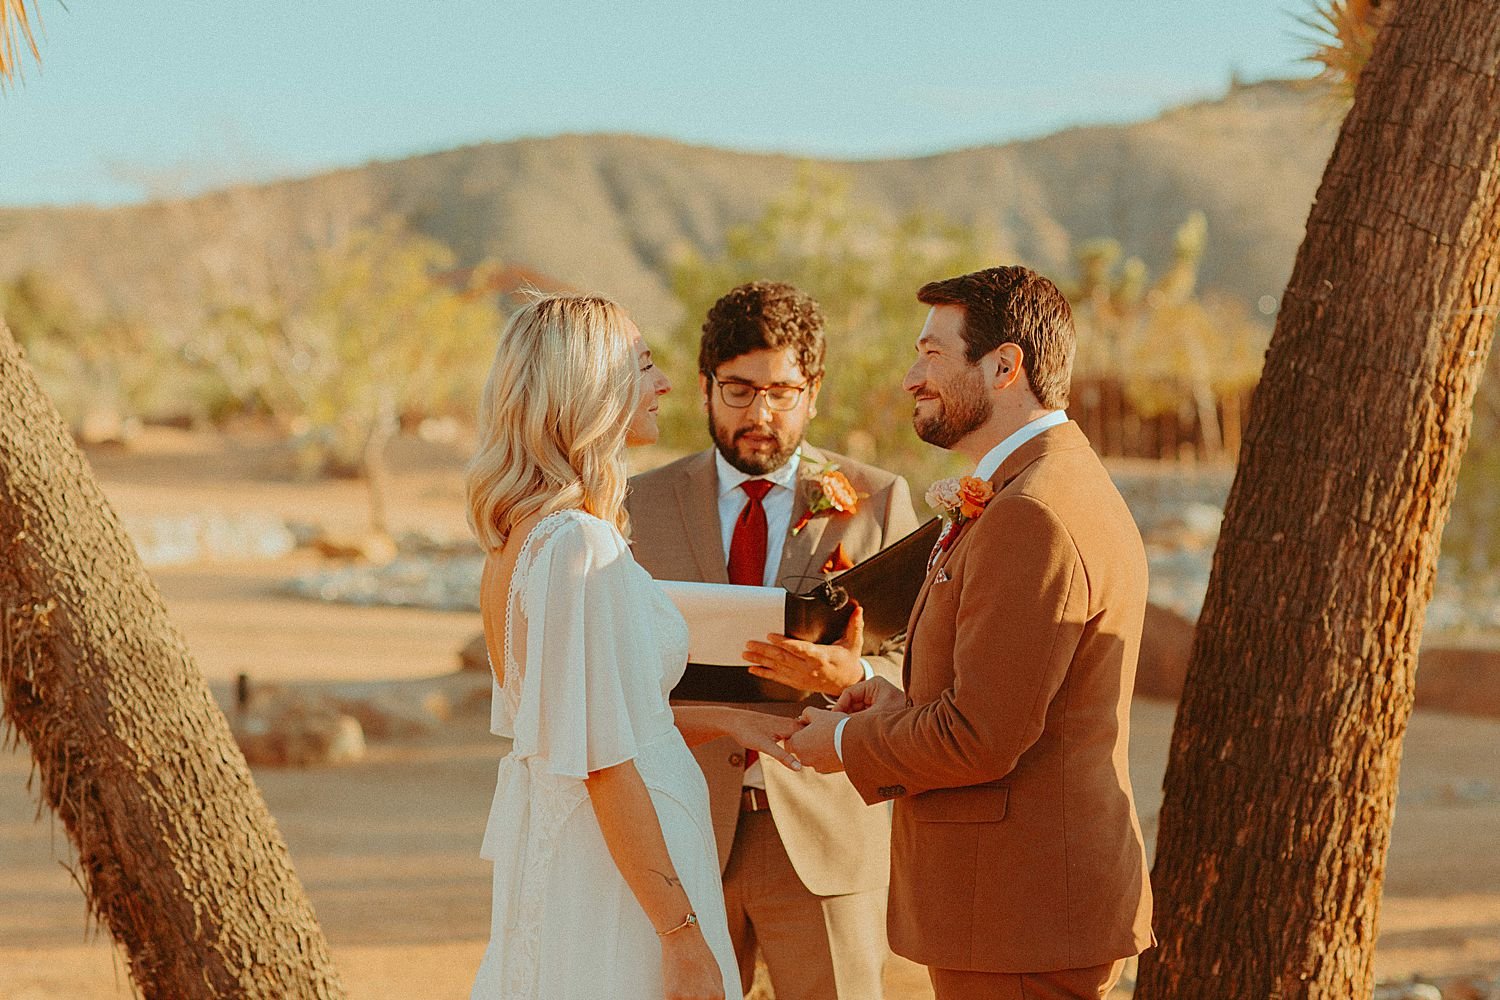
(606, 880)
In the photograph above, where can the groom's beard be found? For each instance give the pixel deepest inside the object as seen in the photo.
(962, 407)
(755, 461)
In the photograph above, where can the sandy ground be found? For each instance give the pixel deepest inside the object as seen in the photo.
(387, 847)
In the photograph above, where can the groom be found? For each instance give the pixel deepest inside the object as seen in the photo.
(1018, 867)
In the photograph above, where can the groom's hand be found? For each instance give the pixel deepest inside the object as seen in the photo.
(877, 694)
(813, 743)
(809, 666)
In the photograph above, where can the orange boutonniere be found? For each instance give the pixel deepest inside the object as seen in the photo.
(960, 499)
(829, 492)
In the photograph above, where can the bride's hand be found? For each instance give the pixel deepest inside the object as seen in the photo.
(689, 969)
(764, 734)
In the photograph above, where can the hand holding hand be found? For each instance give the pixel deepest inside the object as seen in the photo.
(810, 666)
(876, 693)
(813, 743)
(764, 734)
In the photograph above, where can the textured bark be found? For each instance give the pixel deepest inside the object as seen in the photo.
(1281, 784)
(178, 854)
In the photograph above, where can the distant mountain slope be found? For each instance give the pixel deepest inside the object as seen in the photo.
(607, 212)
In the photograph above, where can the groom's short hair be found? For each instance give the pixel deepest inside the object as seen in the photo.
(760, 315)
(1014, 305)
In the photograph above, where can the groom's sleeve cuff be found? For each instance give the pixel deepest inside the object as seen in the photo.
(838, 735)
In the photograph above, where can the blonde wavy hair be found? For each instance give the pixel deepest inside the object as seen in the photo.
(553, 416)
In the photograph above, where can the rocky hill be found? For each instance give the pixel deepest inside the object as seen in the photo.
(608, 212)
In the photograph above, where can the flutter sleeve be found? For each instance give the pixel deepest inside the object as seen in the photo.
(586, 632)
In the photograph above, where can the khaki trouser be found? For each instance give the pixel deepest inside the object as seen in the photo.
(815, 947)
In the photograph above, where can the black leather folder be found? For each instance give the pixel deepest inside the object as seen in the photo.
(884, 585)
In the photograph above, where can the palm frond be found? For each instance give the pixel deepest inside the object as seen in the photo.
(1343, 36)
(15, 28)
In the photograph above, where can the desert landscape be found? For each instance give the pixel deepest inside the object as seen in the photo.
(387, 845)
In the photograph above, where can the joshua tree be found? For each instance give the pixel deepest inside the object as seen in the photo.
(1282, 778)
(180, 857)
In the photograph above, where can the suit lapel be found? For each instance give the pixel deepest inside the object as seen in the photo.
(798, 550)
(698, 501)
(1067, 435)
(921, 601)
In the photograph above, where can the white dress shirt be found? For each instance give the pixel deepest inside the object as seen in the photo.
(987, 467)
(778, 503)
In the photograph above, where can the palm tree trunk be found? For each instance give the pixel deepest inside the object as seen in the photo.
(1282, 778)
(181, 859)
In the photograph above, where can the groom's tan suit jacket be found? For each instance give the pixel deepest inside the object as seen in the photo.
(1015, 842)
(836, 843)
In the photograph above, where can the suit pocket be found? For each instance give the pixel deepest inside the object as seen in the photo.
(975, 804)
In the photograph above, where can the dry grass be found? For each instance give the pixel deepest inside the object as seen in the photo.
(15, 29)
(1344, 33)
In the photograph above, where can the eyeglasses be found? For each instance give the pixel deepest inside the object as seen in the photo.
(741, 395)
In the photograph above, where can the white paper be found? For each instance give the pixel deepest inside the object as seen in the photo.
(722, 617)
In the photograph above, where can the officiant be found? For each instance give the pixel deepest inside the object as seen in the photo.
(805, 861)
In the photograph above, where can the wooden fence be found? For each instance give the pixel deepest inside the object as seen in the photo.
(1117, 429)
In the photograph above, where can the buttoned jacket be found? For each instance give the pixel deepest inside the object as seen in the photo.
(1015, 844)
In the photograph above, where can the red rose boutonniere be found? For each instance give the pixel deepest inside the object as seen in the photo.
(829, 492)
(959, 500)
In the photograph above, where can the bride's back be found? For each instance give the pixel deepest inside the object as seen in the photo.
(552, 427)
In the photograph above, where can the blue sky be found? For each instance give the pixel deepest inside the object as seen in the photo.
(137, 98)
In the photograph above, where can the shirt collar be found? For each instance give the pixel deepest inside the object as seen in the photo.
(991, 462)
(730, 477)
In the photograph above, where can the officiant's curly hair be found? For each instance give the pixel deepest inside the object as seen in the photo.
(553, 417)
(760, 315)
(1014, 305)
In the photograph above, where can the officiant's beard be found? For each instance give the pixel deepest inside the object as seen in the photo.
(754, 463)
(962, 408)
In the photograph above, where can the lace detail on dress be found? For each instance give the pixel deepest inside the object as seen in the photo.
(551, 802)
(515, 603)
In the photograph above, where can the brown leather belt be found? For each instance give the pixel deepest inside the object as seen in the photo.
(753, 800)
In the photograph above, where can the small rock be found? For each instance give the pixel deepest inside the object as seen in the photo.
(286, 729)
(348, 743)
(1202, 519)
(372, 547)
(437, 705)
(387, 715)
(475, 654)
(1407, 991)
(100, 426)
(305, 533)
(1476, 988)
(440, 430)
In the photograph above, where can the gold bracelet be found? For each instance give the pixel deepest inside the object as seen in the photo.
(691, 920)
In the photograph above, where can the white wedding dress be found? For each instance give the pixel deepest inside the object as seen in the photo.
(592, 648)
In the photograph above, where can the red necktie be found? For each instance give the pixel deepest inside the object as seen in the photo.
(747, 547)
